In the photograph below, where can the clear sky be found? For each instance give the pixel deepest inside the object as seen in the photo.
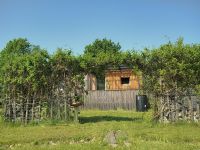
(75, 23)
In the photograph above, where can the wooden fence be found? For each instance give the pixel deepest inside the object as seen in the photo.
(104, 100)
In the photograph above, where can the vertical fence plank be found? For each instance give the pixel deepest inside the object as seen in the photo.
(112, 99)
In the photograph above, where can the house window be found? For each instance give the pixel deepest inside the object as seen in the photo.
(125, 80)
(101, 83)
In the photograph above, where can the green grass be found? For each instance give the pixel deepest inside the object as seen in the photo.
(138, 131)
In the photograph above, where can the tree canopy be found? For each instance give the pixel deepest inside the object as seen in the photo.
(102, 54)
(31, 80)
(176, 64)
(171, 72)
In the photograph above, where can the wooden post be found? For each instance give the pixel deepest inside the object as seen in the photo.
(76, 114)
(65, 107)
(177, 111)
(40, 110)
(26, 117)
(51, 109)
(6, 106)
(14, 110)
(173, 109)
(33, 106)
(198, 112)
(169, 109)
(162, 109)
(52, 96)
(183, 112)
(9, 106)
(21, 108)
(58, 107)
(191, 113)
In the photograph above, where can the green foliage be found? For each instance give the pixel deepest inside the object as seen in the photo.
(102, 46)
(103, 54)
(171, 75)
(27, 71)
(18, 46)
(174, 64)
(99, 55)
(30, 78)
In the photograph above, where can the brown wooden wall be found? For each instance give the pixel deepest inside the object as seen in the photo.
(90, 82)
(112, 99)
(113, 80)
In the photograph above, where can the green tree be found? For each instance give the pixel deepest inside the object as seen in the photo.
(67, 84)
(171, 72)
(35, 85)
(99, 55)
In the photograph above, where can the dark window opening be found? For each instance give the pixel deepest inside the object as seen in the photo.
(101, 83)
(125, 80)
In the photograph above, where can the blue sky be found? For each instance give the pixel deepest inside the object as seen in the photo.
(72, 24)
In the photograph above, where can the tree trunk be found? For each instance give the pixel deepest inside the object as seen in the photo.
(6, 106)
(26, 117)
(65, 108)
(58, 107)
(162, 109)
(14, 110)
(33, 107)
(10, 107)
(22, 107)
(39, 109)
(51, 108)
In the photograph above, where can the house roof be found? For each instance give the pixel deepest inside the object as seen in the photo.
(120, 67)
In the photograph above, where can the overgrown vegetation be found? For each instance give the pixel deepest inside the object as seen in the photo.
(171, 73)
(35, 85)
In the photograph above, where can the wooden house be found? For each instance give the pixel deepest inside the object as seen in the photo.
(122, 78)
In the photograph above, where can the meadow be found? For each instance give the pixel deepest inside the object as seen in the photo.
(133, 130)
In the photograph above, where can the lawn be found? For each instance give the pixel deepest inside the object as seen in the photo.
(133, 130)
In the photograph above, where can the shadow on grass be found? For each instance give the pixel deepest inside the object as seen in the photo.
(95, 119)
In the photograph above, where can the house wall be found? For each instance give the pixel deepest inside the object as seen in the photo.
(113, 80)
(90, 82)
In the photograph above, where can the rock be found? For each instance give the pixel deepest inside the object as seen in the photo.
(113, 136)
(110, 138)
